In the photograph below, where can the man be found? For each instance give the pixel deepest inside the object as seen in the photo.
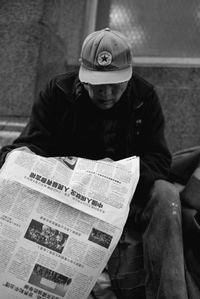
(107, 111)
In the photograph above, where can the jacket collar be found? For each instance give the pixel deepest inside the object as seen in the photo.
(70, 85)
(133, 93)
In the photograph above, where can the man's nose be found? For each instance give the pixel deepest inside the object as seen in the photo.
(107, 91)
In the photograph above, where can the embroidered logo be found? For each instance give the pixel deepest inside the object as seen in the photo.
(104, 58)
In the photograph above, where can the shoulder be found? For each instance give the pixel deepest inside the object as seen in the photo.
(141, 85)
(65, 85)
(141, 91)
(141, 81)
(59, 93)
(66, 82)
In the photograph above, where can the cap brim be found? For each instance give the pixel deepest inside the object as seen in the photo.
(104, 77)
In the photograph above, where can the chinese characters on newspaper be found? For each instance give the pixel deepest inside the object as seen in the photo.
(60, 220)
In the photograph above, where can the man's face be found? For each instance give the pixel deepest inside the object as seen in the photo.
(107, 95)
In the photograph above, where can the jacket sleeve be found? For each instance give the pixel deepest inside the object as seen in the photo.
(155, 158)
(38, 133)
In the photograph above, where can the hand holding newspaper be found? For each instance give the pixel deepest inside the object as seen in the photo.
(60, 220)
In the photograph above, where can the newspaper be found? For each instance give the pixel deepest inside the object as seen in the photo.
(60, 220)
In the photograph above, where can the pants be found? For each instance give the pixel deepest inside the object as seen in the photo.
(161, 251)
(163, 244)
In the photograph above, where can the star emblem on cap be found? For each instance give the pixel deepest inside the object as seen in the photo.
(104, 58)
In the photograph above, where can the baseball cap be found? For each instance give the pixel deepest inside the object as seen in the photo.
(105, 58)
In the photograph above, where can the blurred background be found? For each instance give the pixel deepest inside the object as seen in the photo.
(42, 38)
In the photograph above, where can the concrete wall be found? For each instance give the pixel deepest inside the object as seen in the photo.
(179, 92)
(41, 38)
(19, 51)
(38, 39)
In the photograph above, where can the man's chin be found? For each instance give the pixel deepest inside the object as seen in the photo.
(105, 105)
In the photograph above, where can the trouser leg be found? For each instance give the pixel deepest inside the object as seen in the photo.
(163, 244)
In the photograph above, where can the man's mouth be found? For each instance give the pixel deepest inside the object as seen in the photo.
(106, 101)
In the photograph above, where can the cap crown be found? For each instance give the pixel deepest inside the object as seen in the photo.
(106, 50)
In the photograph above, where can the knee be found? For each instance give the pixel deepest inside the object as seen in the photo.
(164, 194)
(164, 201)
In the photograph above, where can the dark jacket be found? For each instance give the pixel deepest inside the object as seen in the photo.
(64, 122)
